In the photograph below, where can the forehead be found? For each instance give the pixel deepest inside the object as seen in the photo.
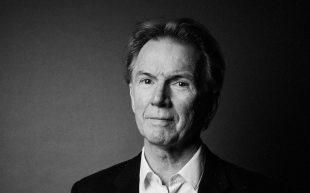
(166, 55)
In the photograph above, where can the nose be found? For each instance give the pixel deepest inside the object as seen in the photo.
(161, 96)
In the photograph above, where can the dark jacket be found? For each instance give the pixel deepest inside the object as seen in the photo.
(219, 177)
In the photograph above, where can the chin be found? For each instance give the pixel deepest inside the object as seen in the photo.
(161, 139)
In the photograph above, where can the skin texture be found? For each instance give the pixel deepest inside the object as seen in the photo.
(163, 95)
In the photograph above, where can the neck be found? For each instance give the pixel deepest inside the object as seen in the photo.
(167, 161)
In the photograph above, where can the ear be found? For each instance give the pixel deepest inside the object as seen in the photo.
(132, 97)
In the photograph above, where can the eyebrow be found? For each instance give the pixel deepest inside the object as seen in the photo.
(142, 73)
(174, 75)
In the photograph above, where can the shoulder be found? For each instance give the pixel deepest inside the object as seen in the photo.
(106, 175)
(104, 179)
(242, 180)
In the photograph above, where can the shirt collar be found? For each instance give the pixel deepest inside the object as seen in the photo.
(192, 171)
(144, 167)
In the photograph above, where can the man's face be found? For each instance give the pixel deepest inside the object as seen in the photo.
(163, 91)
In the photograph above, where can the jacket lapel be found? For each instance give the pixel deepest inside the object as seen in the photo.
(128, 179)
(214, 179)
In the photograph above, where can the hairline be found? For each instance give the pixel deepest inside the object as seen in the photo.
(175, 39)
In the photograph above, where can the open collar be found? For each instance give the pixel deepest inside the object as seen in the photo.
(214, 178)
(191, 172)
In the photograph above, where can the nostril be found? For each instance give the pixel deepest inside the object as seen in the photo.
(158, 100)
(161, 101)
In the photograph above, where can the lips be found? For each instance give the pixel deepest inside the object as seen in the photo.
(160, 118)
(160, 121)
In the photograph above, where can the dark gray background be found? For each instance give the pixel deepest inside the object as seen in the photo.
(65, 109)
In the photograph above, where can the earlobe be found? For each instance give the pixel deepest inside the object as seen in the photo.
(131, 97)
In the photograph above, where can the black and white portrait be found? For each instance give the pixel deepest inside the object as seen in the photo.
(153, 96)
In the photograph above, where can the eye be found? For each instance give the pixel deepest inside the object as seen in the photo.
(145, 81)
(182, 84)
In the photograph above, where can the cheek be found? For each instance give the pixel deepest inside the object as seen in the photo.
(185, 109)
(141, 102)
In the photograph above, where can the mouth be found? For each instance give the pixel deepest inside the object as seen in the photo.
(161, 118)
(160, 121)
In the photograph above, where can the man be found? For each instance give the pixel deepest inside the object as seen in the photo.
(175, 74)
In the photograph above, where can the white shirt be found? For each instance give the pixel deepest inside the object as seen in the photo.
(184, 181)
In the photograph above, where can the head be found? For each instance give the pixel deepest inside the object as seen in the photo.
(175, 74)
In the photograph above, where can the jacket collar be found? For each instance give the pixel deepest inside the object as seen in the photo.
(214, 179)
